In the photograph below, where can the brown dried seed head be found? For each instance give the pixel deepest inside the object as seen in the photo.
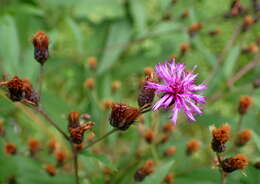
(89, 83)
(115, 85)
(194, 28)
(92, 62)
(185, 14)
(50, 169)
(149, 136)
(243, 137)
(52, 145)
(168, 179)
(192, 146)
(60, 156)
(77, 134)
(164, 139)
(73, 119)
(170, 151)
(234, 163)
(122, 116)
(248, 20)
(244, 103)
(144, 171)
(221, 134)
(184, 47)
(10, 149)
(168, 127)
(41, 43)
(33, 146)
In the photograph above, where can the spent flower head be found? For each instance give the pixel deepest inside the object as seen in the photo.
(178, 90)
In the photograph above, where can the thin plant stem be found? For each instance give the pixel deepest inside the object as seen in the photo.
(101, 138)
(75, 163)
(222, 173)
(52, 122)
(40, 79)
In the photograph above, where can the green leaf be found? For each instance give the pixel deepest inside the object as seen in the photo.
(102, 158)
(159, 174)
(118, 38)
(230, 61)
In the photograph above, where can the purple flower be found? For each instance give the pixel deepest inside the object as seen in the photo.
(178, 90)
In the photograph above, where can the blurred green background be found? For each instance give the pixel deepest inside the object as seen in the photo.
(124, 36)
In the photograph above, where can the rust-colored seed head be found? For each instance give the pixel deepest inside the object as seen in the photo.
(122, 116)
(252, 48)
(92, 63)
(50, 169)
(185, 14)
(10, 149)
(184, 47)
(89, 83)
(115, 85)
(192, 146)
(248, 21)
(41, 43)
(194, 28)
(149, 136)
(73, 119)
(168, 179)
(244, 103)
(77, 134)
(52, 145)
(33, 146)
(220, 137)
(234, 163)
(243, 137)
(257, 165)
(60, 157)
(164, 139)
(256, 83)
(168, 127)
(170, 151)
(144, 171)
(146, 95)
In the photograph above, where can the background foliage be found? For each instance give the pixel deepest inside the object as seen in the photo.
(125, 36)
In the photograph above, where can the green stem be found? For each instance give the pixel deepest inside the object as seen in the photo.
(101, 138)
(222, 173)
(75, 163)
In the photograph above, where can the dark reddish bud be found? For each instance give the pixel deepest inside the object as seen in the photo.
(33, 146)
(244, 103)
(243, 137)
(185, 14)
(21, 90)
(220, 137)
(168, 179)
(10, 149)
(60, 157)
(234, 163)
(247, 23)
(41, 43)
(149, 136)
(144, 171)
(256, 83)
(192, 146)
(123, 116)
(51, 170)
(257, 165)
(169, 151)
(77, 134)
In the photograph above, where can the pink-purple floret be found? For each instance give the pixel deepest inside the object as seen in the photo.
(178, 90)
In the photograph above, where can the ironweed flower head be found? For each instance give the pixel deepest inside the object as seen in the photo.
(33, 146)
(178, 90)
(243, 137)
(41, 43)
(234, 163)
(220, 137)
(192, 146)
(10, 149)
(244, 103)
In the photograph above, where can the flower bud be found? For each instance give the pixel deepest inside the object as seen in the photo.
(149, 136)
(10, 149)
(92, 63)
(107, 104)
(168, 127)
(50, 169)
(33, 146)
(41, 43)
(115, 86)
(73, 119)
(192, 146)
(220, 137)
(194, 28)
(85, 116)
(168, 179)
(146, 95)
(252, 48)
(244, 103)
(89, 83)
(169, 151)
(52, 145)
(185, 14)
(234, 163)
(243, 137)
(60, 157)
(145, 170)
(77, 134)
(257, 165)
(164, 139)
(184, 47)
(215, 32)
(248, 21)
(122, 116)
